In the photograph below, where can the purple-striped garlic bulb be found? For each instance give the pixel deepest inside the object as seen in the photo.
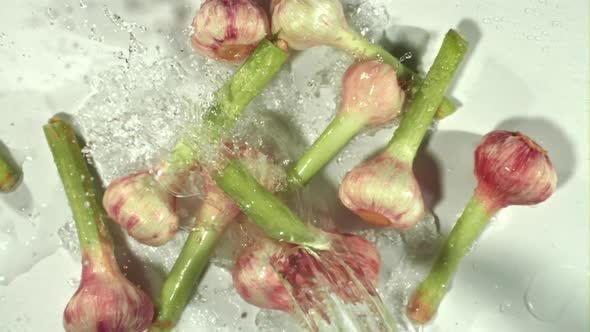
(229, 30)
(512, 169)
(258, 283)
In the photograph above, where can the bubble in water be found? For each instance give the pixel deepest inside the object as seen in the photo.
(83, 4)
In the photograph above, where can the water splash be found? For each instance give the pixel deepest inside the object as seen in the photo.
(368, 17)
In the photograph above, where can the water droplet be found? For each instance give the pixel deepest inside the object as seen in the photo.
(83, 4)
(51, 13)
(486, 20)
(74, 282)
(405, 57)
(505, 307)
(551, 291)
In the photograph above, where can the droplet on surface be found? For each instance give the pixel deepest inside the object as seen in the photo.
(505, 307)
(551, 291)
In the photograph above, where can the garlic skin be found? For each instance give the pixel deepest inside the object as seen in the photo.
(229, 30)
(143, 208)
(512, 169)
(383, 191)
(307, 23)
(257, 282)
(106, 300)
(371, 89)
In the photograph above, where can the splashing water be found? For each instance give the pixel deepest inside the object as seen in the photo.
(370, 18)
(140, 107)
(333, 298)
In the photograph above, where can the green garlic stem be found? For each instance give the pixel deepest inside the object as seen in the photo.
(470, 225)
(79, 185)
(272, 215)
(189, 267)
(362, 48)
(9, 175)
(413, 127)
(339, 132)
(229, 104)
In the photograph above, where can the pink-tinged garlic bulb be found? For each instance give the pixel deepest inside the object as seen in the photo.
(512, 169)
(255, 279)
(106, 300)
(383, 191)
(307, 23)
(229, 30)
(143, 208)
(371, 88)
(257, 282)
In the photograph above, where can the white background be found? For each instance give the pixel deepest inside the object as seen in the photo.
(527, 70)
